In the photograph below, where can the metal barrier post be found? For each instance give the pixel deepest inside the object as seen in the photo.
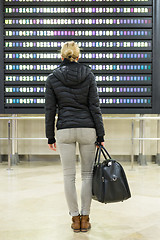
(16, 141)
(13, 140)
(15, 157)
(132, 152)
(141, 157)
(9, 145)
(158, 135)
(0, 153)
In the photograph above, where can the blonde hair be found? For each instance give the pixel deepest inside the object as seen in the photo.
(70, 50)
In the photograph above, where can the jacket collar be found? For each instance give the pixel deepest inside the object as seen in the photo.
(66, 62)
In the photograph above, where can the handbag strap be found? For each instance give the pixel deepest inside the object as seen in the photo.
(98, 155)
(102, 150)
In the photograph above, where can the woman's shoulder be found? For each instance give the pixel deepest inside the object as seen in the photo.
(84, 65)
(51, 78)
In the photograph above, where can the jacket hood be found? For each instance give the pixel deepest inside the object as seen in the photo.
(71, 73)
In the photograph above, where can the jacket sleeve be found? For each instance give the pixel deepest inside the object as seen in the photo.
(94, 107)
(50, 111)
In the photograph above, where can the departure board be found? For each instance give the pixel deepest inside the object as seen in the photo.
(119, 41)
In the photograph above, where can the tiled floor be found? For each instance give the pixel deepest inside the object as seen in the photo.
(33, 207)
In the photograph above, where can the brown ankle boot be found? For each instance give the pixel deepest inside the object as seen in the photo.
(76, 225)
(85, 224)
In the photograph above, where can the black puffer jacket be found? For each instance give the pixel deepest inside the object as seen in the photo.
(72, 89)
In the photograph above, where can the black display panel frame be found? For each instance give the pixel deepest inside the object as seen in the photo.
(154, 84)
(1, 58)
(156, 58)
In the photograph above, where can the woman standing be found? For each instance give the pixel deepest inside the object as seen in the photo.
(71, 89)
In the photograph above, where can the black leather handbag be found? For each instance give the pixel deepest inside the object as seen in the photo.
(109, 182)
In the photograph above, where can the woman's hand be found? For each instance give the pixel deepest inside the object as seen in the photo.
(52, 146)
(102, 143)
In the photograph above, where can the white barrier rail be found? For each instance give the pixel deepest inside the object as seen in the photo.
(141, 139)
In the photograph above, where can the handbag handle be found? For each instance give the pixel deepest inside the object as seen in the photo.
(98, 155)
(100, 150)
(103, 148)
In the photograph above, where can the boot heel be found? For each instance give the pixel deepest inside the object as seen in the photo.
(76, 225)
(85, 224)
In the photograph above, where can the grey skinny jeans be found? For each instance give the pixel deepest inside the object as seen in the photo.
(66, 139)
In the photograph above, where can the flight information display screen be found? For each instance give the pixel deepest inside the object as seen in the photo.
(118, 40)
